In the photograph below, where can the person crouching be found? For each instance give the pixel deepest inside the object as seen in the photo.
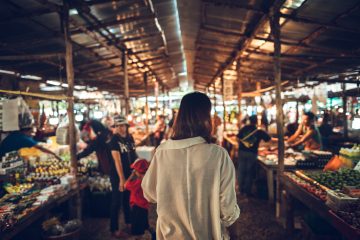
(139, 205)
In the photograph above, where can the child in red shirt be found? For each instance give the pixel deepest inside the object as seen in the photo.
(139, 205)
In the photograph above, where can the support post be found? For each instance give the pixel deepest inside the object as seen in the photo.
(214, 97)
(126, 81)
(223, 98)
(275, 30)
(164, 104)
(146, 104)
(344, 100)
(240, 90)
(156, 86)
(70, 95)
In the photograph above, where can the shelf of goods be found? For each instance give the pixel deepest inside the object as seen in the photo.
(42, 183)
(299, 160)
(339, 192)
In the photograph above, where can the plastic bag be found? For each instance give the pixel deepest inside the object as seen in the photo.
(26, 119)
(62, 132)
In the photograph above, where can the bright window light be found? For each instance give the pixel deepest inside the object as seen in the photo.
(98, 115)
(79, 117)
(54, 121)
(78, 87)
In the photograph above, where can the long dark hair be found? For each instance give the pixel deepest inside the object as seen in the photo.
(193, 118)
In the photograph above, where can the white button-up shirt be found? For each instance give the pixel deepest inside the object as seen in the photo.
(193, 184)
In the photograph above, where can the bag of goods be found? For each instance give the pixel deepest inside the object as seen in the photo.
(337, 162)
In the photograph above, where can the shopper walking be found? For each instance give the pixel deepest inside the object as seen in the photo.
(249, 138)
(191, 180)
(122, 147)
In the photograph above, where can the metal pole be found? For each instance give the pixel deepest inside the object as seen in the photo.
(126, 81)
(70, 94)
(223, 98)
(146, 104)
(344, 100)
(275, 29)
(240, 90)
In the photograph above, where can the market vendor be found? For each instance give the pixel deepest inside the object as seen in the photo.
(307, 134)
(22, 139)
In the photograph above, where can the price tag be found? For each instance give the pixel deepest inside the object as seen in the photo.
(357, 167)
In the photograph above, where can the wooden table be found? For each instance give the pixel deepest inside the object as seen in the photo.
(38, 213)
(270, 170)
(294, 191)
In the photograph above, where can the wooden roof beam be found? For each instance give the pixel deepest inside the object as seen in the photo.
(245, 43)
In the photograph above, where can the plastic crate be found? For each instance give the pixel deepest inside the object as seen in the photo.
(338, 201)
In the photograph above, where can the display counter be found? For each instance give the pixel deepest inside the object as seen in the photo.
(314, 199)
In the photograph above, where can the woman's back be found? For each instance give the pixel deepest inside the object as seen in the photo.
(194, 188)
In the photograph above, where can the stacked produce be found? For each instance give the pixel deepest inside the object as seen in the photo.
(351, 215)
(48, 172)
(336, 180)
(53, 227)
(312, 188)
(99, 184)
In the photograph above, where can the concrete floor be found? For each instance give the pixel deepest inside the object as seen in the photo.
(257, 222)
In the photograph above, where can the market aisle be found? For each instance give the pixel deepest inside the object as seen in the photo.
(257, 222)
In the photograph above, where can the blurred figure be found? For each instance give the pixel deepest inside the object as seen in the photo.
(170, 129)
(159, 130)
(326, 130)
(307, 134)
(99, 137)
(216, 123)
(249, 138)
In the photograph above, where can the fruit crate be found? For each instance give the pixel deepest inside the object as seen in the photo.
(338, 201)
(350, 231)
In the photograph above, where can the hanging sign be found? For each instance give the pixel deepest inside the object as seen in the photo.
(228, 89)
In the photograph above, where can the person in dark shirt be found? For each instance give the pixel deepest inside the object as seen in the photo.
(22, 139)
(249, 138)
(99, 138)
(123, 153)
(326, 131)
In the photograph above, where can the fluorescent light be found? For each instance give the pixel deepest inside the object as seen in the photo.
(7, 72)
(32, 77)
(65, 85)
(53, 82)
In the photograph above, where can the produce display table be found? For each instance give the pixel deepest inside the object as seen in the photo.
(270, 170)
(294, 191)
(231, 144)
(39, 212)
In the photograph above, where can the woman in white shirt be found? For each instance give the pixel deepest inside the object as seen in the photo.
(191, 180)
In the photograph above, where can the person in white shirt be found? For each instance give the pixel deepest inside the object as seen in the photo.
(191, 180)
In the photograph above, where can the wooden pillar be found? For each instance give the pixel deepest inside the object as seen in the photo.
(344, 100)
(126, 81)
(164, 105)
(156, 86)
(146, 104)
(275, 30)
(214, 97)
(70, 89)
(223, 97)
(240, 90)
(76, 203)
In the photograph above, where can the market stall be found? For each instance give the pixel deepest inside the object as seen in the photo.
(333, 195)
